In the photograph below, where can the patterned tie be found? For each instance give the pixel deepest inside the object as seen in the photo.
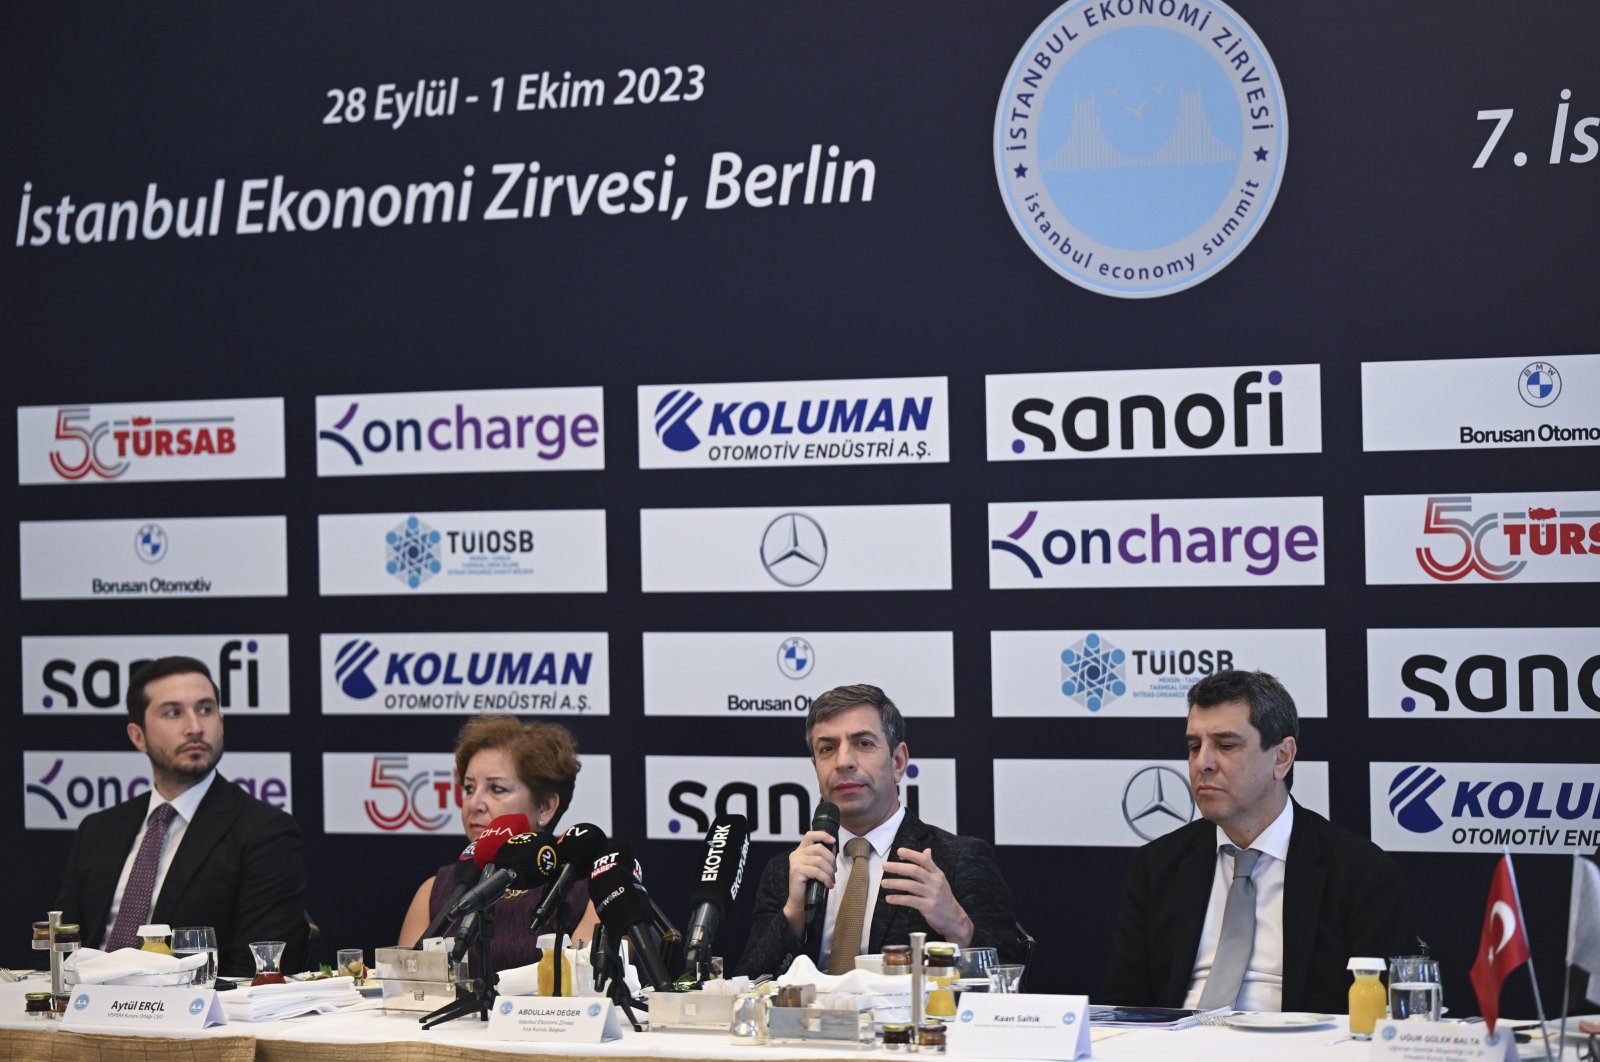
(135, 909)
(852, 909)
(1238, 934)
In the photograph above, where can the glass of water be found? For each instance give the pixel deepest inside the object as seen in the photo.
(195, 940)
(1415, 990)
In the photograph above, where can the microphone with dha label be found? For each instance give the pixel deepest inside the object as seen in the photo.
(573, 857)
(624, 909)
(826, 819)
(716, 886)
(495, 881)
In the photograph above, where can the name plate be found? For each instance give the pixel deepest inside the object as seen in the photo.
(153, 1009)
(563, 1020)
(1020, 1026)
(1442, 1041)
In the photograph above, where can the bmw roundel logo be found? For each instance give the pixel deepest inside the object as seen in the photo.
(1541, 384)
(505, 1006)
(150, 543)
(594, 1010)
(796, 658)
(966, 1016)
(197, 1005)
(1388, 1032)
(82, 1002)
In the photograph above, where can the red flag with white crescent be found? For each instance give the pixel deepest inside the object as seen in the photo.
(1504, 945)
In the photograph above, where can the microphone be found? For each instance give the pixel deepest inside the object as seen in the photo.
(493, 884)
(464, 873)
(624, 909)
(572, 858)
(716, 887)
(826, 819)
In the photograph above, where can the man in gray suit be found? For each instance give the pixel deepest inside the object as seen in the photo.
(919, 878)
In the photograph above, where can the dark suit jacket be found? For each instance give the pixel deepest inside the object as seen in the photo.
(238, 869)
(1342, 896)
(967, 862)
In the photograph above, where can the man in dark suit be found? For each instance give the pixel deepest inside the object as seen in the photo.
(1260, 904)
(202, 849)
(917, 878)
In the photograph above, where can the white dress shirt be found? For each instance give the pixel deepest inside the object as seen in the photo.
(184, 807)
(1263, 976)
(880, 838)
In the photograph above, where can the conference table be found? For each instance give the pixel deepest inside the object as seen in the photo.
(397, 1037)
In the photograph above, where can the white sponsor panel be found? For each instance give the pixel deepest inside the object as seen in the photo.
(777, 794)
(60, 789)
(90, 673)
(1164, 542)
(525, 673)
(776, 675)
(527, 429)
(821, 547)
(224, 556)
(1484, 673)
(416, 793)
(1428, 806)
(1527, 537)
(1472, 403)
(796, 422)
(1053, 416)
(530, 551)
(142, 442)
(1110, 803)
(1118, 674)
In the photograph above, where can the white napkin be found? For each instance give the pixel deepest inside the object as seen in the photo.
(887, 995)
(131, 966)
(272, 1002)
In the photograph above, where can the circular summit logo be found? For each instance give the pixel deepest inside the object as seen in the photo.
(1140, 143)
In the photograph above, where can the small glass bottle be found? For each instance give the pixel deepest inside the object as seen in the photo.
(36, 1006)
(67, 933)
(896, 1037)
(939, 966)
(1368, 1000)
(932, 1037)
(897, 959)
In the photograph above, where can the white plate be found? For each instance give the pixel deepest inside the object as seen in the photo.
(1268, 1021)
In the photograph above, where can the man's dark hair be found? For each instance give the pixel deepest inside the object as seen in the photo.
(843, 698)
(1272, 710)
(150, 671)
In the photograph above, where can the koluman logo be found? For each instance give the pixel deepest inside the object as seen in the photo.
(796, 658)
(413, 552)
(1139, 144)
(478, 672)
(1154, 412)
(1092, 673)
(1408, 798)
(1156, 801)
(794, 549)
(797, 422)
(1526, 807)
(1540, 384)
(1147, 543)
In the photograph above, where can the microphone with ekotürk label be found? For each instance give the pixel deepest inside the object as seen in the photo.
(624, 907)
(718, 874)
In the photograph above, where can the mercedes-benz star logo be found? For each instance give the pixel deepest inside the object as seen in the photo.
(1156, 801)
(794, 549)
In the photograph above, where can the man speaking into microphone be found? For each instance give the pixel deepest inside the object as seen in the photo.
(882, 873)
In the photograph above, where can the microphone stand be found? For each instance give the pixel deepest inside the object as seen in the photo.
(538, 925)
(481, 994)
(608, 967)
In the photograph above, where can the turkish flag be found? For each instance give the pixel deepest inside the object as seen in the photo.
(1504, 946)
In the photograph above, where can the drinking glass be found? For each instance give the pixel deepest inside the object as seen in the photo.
(196, 940)
(268, 954)
(1006, 977)
(976, 962)
(1415, 990)
(352, 961)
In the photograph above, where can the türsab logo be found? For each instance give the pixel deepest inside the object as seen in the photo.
(146, 442)
(1491, 538)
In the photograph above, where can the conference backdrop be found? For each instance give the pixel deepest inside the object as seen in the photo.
(652, 368)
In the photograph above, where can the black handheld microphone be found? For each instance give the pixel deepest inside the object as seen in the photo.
(464, 873)
(572, 858)
(716, 886)
(517, 861)
(625, 911)
(826, 819)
